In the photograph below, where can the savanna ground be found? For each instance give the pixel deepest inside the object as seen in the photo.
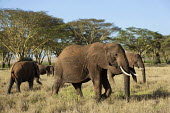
(153, 97)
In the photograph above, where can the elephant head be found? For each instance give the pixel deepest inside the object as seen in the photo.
(111, 54)
(135, 60)
(116, 56)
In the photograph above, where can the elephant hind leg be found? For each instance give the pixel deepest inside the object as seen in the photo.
(18, 82)
(77, 87)
(56, 86)
(10, 85)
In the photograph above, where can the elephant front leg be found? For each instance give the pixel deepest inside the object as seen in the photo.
(37, 80)
(77, 87)
(30, 84)
(96, 79)
(106, 84)
(111, 76)
(10, 85)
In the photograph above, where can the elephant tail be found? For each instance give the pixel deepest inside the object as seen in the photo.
(13, 75)
(12, 71)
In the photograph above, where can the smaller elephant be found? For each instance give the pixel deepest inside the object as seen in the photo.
(46, 69)
(23, 71)
(135, 60)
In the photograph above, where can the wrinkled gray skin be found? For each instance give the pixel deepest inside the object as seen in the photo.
(23, 71)
(44, 69)
(78, 64)
(135, 60)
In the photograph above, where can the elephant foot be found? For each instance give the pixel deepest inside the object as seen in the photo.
(39, 82)
(104, 96)
(97, 99)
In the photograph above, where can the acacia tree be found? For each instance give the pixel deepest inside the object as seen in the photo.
(87, 31)
(25, 31)
(165, 48)
(5, 55)
(135, 39)
(155, 47)
(3, 52)
(39, 55)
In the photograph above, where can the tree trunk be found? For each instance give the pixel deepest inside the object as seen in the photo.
(157, 59)
(3, 60)
(49, 60)
(3, 64)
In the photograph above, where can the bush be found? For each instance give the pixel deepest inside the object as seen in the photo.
(168, 62)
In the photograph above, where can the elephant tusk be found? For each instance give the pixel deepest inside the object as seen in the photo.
(124, 71)
(141, 68)
(134, 73)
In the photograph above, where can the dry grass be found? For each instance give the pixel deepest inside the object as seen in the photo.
(153, 97)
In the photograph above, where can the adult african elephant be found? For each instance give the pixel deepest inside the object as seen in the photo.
(23, 71)
(44, 69)
(78, 64)
(135, 60)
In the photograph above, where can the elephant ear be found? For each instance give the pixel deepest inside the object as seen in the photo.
(131, 59)
(96, 55)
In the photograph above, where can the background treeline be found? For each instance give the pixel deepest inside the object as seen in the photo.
(39, 35)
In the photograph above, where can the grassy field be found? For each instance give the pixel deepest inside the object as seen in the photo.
(153, 97)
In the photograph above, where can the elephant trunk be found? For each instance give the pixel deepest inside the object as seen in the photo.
(123, 63)
(127, 87)
(143, 75)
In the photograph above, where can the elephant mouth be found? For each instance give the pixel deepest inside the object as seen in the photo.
(114, 65)
(141, 68)
(110, 64)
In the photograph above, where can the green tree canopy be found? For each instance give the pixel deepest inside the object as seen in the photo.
(25, 31)
(135, 39)
(165, 48)
(87, 31)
